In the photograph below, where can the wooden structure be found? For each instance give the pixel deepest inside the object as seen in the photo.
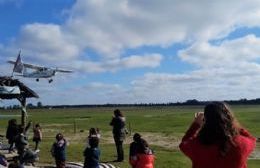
(24, 92)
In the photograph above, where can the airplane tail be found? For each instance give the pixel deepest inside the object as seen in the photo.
(18, 65)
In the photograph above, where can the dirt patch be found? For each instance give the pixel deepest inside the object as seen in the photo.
(56, 125)
(161, 140)
(168, 142)
(255, 155)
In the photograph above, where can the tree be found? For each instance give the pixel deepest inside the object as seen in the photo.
(39, 104)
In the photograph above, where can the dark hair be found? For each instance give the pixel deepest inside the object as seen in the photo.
(118, 113)
(37, 125)
(59, 137)
(20, 128)
(142, 146)
(93, 142)
(137, 137)
(92, 131)
(219, 127)
(12, 122)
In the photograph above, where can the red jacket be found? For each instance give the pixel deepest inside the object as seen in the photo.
(143, 161)
(207, 156)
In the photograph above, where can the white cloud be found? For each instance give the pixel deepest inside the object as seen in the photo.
(224, 71)
(151, 60)
(46, 42)
(229, 54)
(230, 70)
(91, 93)
(201, 85)
(110, 27)
(133, 61)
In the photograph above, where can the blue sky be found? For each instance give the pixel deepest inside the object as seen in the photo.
(131, 51)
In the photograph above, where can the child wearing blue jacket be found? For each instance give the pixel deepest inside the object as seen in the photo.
(92, 153)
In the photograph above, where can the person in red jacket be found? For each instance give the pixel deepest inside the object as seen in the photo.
(144, 157)
(216, 140)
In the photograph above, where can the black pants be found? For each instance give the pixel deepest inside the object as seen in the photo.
(36, 145)
(119, 150)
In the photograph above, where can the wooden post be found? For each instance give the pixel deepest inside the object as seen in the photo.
(130, 129)
(23, 111)
(75, 126)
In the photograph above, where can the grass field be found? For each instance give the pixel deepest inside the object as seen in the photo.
(162, 127)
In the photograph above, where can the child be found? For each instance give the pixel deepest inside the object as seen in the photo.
(58, 151)
(133, 150)
(93, 132)
(11, 133)
(92, 154)
(144, 157)
(37, 136)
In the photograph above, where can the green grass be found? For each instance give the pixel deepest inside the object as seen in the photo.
(167, 122)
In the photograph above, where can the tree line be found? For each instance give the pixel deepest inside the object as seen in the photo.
(192, 102)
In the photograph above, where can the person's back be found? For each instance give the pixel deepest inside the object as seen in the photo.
(133, 149)
(119, 133)
(20, 141)
(145, 160)
(11, 133)
(212, 151)
(91, 157)
(144, 157)
(204, 156)
(92, 154)
(118, 124)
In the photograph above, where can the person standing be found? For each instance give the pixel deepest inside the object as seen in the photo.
(21, 144)
(119, 133)
(11, 133)
(37, 135)
(58, 151)
(215, 139)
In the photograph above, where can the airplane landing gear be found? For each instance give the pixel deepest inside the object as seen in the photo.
(50, 80)
(37, 80)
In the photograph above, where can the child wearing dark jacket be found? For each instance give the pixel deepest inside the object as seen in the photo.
(92, 153)
(11, 133)
(58, 151)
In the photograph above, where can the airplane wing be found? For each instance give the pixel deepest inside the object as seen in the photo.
(11, 62)
(31, 66)
(63, 70)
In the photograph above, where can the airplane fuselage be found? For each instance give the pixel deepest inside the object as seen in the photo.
(39, 74)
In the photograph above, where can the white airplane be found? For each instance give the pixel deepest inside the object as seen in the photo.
(35, 71)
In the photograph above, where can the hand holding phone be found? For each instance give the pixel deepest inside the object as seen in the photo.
(199, 118)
